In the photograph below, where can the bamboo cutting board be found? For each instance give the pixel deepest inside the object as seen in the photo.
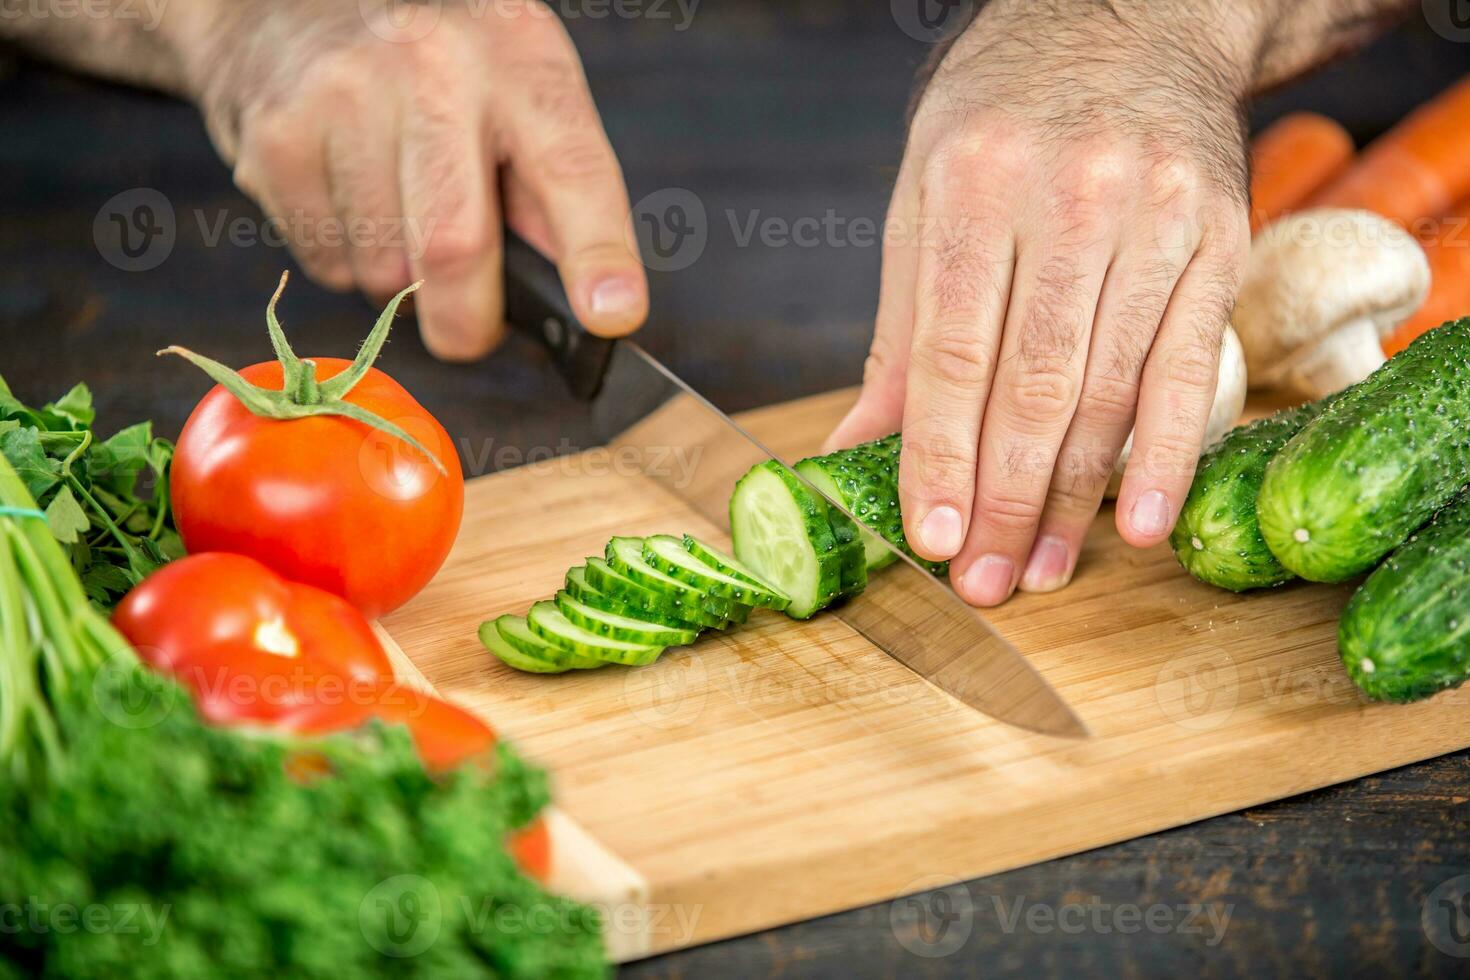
(787, 770)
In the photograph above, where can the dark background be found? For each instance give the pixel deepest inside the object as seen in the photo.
(786, 109)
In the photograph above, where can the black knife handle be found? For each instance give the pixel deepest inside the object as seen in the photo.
(536, 304)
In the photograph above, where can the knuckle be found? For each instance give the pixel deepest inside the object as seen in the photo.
(454, 245)
(1096, 176)
(936, 465)
(1008, 508)
(1193, 364)
(579, 160)
(978, 156)
(1044, 398)
(1172, 178)
(1108, 401)
(954, 356)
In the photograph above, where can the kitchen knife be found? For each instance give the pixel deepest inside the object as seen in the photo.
(653, 420)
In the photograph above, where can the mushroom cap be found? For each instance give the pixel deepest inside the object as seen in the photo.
(1315, 272)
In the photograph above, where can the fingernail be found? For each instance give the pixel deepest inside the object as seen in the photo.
(615, 296)
(941, 532)
(1150, 514)
(1047, 568)
(988, 581)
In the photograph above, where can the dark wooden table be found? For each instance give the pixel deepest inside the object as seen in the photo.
(764, 111)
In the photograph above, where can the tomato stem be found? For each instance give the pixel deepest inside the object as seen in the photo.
(301, 393)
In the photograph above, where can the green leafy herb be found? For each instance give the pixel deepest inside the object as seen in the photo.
(105, 500)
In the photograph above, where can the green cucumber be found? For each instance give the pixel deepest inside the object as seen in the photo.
(618, 627)
(1217, 538)
(865, 480)
(548, 622)
(511, 657)
(583, 591)
(531, 649)
(623, 590)
(1358, 479)
(780, 529)
(1406, 632)
(729, 564)
(666, 553)
(625, 554)
(876, 554)
(853, 577)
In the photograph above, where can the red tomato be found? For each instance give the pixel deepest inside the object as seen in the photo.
(248, 644)
(323, 500)
(531, 848)
(444, 735)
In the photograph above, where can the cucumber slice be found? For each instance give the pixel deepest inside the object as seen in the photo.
(853, 577)
(739, 613)
(620, 588)
(531, 649)
(579, 588)
(618, 627)
(626, 556)
(510, 656)
(547, 622)
(781, 530)
(729, 564)
(876, 553)
(666, 553)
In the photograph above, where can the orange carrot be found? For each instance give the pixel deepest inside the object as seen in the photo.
(1290, 159)
(1447, 244)
(1418, 169)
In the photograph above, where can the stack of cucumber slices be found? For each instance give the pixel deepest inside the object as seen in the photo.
(794, 552)
(642, 597)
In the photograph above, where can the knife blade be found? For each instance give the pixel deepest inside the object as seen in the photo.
(690, 448)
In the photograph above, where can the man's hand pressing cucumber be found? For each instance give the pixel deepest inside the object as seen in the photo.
(1063, 249)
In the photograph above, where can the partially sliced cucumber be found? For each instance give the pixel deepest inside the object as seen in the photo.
(666, 553)
(530, 649)
(622, 589)
(782, 531)
(876, 552)
(548, 622)
(618, 627)
(853, 577)
(625, 554)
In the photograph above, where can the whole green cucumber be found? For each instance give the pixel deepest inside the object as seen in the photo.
(1217, 538)
(1406, 632)
(1364, 474)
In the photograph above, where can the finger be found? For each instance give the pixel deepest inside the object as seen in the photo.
(283, 166)
(1134, 296)
(1059, 275)
(879, 408)
(559, 150)
(362, 174)
(446, 190)
(964, 281)
(1178, 387)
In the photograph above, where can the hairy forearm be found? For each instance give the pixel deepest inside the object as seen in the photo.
(1264, 43)
(142, 42)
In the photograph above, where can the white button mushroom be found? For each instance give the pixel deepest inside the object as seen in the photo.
(1320, 291)
(1224, 411)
